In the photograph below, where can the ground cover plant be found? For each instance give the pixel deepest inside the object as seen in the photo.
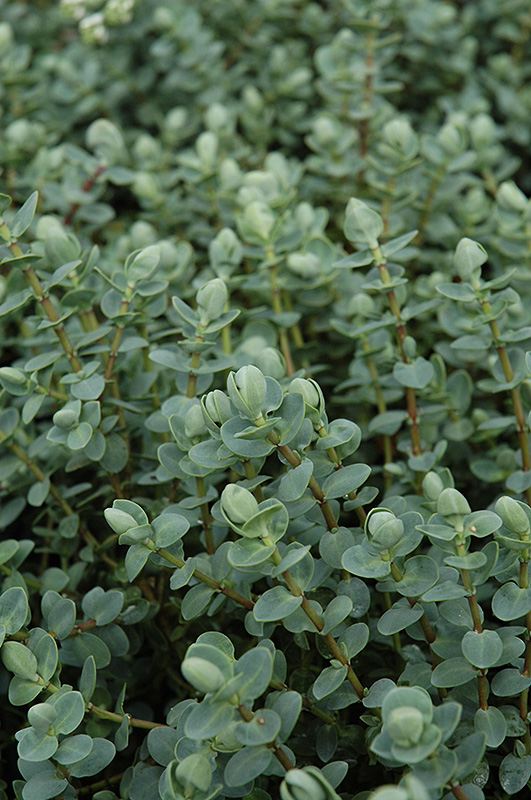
(265, 470)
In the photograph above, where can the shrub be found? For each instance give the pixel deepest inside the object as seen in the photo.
(265, 474)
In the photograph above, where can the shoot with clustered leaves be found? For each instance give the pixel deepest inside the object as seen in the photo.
(265, 400)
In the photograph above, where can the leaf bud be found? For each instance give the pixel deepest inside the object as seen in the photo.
(225, 252)
(259, 218)
(176, 119)
(247, 389)
(405, 725)
(238, 504)
(362, 304)
(194, 775)
(216, 409)
(362, 224)
(230, 174)
(410, 347)
(147, 151)
(509, 196)
(452, 139)
(207, 149)
(399, 135)
(146, 186)
(513, 515)
(384, 529)
(252, 98)
(271, 362)
(217, 117)
(211, 300)
(202, 674)
(313, 398)
(468, 258)
(194, 423)
(42, 716)
(65, 418)
(120, 521)
(482, 131)
(142, 234)
(306, 265)
(141, 265)
(452, 505)
(325, 130)
(432, 486)
(105, 139)
(301, 784)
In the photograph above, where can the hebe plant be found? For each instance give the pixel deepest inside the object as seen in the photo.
(265, 470)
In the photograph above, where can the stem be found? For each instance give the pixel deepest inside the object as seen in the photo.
(205, 517)
(87, 186)
(411, 399)
(294, 461)
(476, 620)
(428, 202)
(192, 377)
(200, 576)
(250, 473)
(199, 482)
(95, 787)
(102, 713)
(118, 332)
(381, 405)
(365, 129)
(318, 623)
(276, 301)
(279, 754)
(46, 304)
(516, 397)
(49, 310)
(334, 458)
(427, 630)
(459, 792)
(524, 696)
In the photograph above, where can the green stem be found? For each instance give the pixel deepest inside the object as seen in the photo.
(46, 304)
(411, 398)
(524, 696)
(102, 713)
(279, 754)
(382, 407)
(206, 518)
(250, 473)
(276, 301)
(334, 458)
(118, 332)
(318, 623)
(294, 461)
(48, 308)
(95, 787)
(365, 124)
(516, 397)
(427, 630)
(200, 576)
(476, 621)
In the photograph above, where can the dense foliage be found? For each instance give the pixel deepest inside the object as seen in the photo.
(265, 470)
